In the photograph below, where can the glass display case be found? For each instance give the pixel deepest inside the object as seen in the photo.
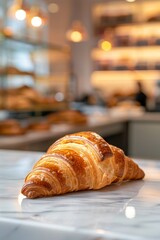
(34, 74)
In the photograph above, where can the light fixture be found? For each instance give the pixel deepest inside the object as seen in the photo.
(130, 1)
(34, 15)
(53, 7)
(17, 10)
(20, 14)
(77, 33)
(36, 21)
(36, 18)
(104, 45)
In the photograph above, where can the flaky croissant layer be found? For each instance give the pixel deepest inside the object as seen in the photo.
(76, 162)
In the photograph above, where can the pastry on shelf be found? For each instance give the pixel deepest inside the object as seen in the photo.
(17, 103)
(7, 31)
(15, 71)
(154, 18)
(67, 116)
(26, 98)
(79, 161)
(141, 66)
(12, 70)
(39, 126)
(30, 93)
(11, 127)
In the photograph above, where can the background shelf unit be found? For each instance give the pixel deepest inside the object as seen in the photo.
(133, 31)
(42, 67)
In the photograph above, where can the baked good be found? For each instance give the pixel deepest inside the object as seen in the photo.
(68, 116)
(25, 98)
(39, 126)
(79, 161)
(11, 127)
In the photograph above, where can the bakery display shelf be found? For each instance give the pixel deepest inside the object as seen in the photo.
(36, 111)
(31, 73)
(115, 77)
(138, 23)
(137, 47)
(124, 13)
(99, 53)
(131, 33)
(99, 30)
(33, 69)
(15, 71)
(128, 71)
(28, 42)
(43, 107)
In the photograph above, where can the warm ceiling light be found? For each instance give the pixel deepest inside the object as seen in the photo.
(36, 21)
(105, 45)
(77, 33)
(130, 1)
(20, 14)
(76, 36)
(53, 7)
(18, 10)
(36, 17)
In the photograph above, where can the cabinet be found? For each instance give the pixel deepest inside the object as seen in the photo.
(147, 128)
(131, 30)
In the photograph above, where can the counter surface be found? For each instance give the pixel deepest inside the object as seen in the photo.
(121, 211)
(105, 124)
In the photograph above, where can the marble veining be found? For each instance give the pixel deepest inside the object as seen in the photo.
(126, 211)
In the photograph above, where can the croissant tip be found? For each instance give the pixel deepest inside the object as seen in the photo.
(30, 194)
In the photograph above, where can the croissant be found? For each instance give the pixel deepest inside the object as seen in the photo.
(76, 162)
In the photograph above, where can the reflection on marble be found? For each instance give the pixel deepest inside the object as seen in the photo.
(121, 211)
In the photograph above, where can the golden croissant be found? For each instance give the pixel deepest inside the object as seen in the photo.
(76, 162)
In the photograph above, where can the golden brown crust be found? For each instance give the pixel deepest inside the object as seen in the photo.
(77, 162)
(67, 116)
(102, 145)
(11, 127)
(119, 160)
(39, 126)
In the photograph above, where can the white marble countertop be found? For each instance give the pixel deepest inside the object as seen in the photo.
(129, 211)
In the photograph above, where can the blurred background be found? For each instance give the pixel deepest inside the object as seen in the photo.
(65, 61)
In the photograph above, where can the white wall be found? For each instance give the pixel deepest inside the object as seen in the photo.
(60, 22)
(80, 52)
